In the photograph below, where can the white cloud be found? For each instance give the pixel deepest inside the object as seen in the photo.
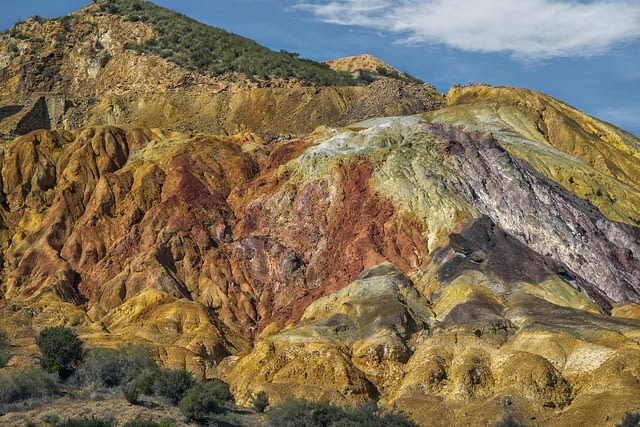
(527, 29)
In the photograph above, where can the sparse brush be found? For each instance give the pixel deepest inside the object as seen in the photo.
(107, 367)
(27, 384)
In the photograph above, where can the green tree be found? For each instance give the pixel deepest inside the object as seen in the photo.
(61, 350)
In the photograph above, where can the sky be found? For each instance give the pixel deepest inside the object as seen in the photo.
(583, 52)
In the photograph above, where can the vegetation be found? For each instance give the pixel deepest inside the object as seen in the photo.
(213, 51)
(299, 412)
(509, 421)
(201, 402)
(260, 401)
(4, 349)
(131, 393)
(27, 384)
(104, 60)
(630, 420)
(51, 70)
(395, 75)
(173, 384)
(81, 422)
(61, 350)
(148, 423)
(107, 367)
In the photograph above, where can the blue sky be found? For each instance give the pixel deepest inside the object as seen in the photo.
(583, 52)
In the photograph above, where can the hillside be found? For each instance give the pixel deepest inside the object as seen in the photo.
(461, 258)
(397, 259)
(131, 63)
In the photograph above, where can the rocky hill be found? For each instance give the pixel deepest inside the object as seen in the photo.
(131, 63)
(462, 264)
(367, 67)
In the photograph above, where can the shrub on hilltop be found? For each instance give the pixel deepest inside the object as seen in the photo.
(213, 51)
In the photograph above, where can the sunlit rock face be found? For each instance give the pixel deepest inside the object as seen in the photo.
(463, 264)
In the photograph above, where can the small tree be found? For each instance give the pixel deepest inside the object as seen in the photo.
(61, 350)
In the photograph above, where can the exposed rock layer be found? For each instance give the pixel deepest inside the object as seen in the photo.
(480, 259)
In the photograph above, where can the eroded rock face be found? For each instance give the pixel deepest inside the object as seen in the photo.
(431, 262)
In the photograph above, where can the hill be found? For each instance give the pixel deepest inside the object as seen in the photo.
(368, 68)
(131, 63)
(461, 259)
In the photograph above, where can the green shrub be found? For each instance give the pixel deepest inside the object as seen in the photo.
(27, 384)
(200, 402)
(219, 390)
(213, 51)
(5, 354)
(51, 71)
(108, 367)
(61, 350)
(630, 420)
(299, 412)
(260, 401)
(509, 421)
(130, 392)
(148, 423)
(86, 422)
(173, 384)
(105, 60)
(145, 380)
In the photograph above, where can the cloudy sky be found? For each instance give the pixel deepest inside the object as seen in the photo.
(584, 52)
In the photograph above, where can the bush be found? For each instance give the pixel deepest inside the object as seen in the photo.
(27, 384)
(219, 390)
(51, 71)
(148, 423)
(85, 422)
(107, 367)
(61, 350)
(299, 412)
(213, 51)
(509, 421)
(630, 420)
(173, 384)
(200, 402)
(260, 401)
(130, 392)
(105, 60)
(146, 379)
(5, 355)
